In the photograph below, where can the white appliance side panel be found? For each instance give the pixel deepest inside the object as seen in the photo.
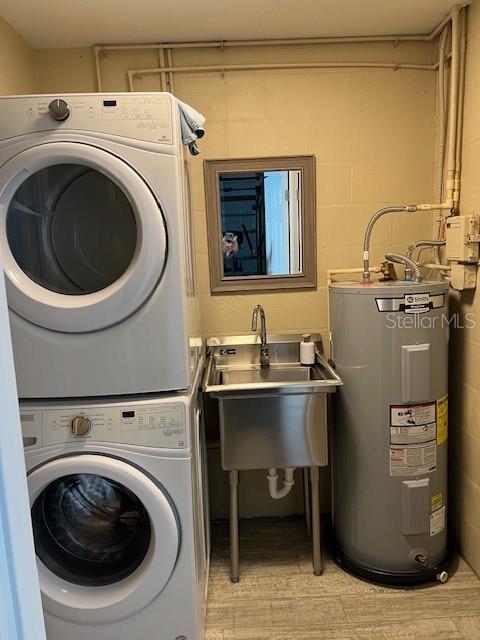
(140, 116)
(20, 605)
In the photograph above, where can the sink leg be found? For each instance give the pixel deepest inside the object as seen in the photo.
(234, 546)
(306, 498)
(316, 540)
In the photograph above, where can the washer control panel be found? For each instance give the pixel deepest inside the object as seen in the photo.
(145, 424)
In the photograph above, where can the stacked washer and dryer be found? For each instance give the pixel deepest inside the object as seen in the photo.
(96, 243)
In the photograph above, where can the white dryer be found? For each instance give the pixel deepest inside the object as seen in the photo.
(120, 517)
(95, 236)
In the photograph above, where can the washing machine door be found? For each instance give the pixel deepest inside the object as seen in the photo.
(82, 237)
(106, 537)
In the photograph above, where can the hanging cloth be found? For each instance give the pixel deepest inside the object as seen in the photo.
(191, 122)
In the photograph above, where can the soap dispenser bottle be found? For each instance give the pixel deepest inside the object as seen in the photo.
(307, 350)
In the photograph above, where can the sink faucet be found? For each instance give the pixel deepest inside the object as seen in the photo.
(264, 356)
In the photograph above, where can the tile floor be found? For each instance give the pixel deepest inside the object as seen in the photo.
(278, 597)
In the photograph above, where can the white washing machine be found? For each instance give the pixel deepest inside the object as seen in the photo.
(95, 236)
(120, 517)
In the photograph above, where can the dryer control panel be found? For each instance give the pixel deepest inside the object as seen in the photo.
(148, 424)
(140, 116)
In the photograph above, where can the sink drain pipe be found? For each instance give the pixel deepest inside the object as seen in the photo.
(288, 483)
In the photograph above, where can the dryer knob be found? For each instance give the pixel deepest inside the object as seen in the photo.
(81, 426)
(59, 109)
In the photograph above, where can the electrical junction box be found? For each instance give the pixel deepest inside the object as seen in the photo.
(462, 235)
(463, 276)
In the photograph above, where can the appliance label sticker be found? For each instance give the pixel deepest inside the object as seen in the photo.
(442, 419)
(413, 459)
(412, 415)
(413, 434)
(413, 424)
(437, 501)
(437, 521)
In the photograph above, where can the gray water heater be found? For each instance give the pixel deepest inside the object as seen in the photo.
(389, 344)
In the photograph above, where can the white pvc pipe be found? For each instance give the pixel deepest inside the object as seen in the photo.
(272, 478)
(453, 106)
(459, 128)
(170, 73)
(286, 65)
(96, 52)
(259, 43)
(442, 129)
(134, 73)
(434, 265)
(162, 64)
(428, 37)
(334, 272)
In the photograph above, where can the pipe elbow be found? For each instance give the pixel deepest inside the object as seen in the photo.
(272, 479)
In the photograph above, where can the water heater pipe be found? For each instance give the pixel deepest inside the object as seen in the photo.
(331, 273)
(417, 244)
(406, 208)
(434, 265)
(368, 232)
(288, 483)
(410, 264)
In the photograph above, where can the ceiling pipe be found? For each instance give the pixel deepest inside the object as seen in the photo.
(427, 37)
(99, 49)
(135, 73)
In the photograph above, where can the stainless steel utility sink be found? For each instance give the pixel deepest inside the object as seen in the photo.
(258, 376)
(273, 417)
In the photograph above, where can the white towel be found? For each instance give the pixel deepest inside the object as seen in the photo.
(191, 122)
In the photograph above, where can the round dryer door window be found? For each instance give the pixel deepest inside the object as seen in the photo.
(71, 229)
(106, 537)
(82, 235)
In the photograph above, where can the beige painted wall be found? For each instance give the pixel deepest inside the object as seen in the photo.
(372, 132)
(17, 63)
(465, 345)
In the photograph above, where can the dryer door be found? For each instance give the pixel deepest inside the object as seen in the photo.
(106, 537)
(81, 234)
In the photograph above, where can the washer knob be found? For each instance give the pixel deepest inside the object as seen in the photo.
(59, 109)
(81, 426)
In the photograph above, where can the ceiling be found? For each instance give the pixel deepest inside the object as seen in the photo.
(77, 23)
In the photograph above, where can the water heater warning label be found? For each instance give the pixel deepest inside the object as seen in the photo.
(413, 424)
(413, 460)
(412, 415)
(437, 521)
(413, 439)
